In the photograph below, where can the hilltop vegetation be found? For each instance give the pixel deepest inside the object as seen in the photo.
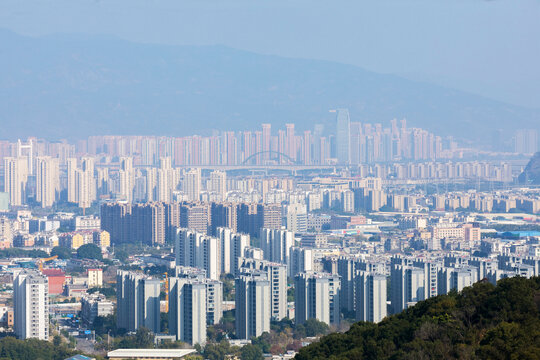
(531, 174)
(482, 322)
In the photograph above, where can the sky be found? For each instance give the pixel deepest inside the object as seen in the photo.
(490, 48)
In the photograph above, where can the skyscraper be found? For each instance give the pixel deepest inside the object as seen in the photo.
(300, 260)
(297, 218)
(290, 146)
(316, 297)
(47, 180)
(81, 182)
(407, 287)
(277, 275)
(187, 310)
(253, 305)
(15, 178)
(192, 184)
(31, 305)
(218, 183)
(225, 238)
(137, 301)
(343, 131)
(276, 244)
(198, 250)
(526, 141)
(266, 134)
(127, 178)
(370, 297)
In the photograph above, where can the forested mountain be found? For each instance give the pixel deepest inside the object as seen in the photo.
(482, 322)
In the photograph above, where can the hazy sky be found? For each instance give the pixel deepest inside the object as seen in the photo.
(490, 48)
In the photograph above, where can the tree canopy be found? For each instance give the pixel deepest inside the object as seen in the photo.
(482, 322)
(89, 251)
(32, 349)
(62, 252)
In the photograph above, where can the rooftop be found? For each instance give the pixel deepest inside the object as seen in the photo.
(149, 353)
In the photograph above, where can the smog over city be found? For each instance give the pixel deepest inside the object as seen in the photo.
(269, 180)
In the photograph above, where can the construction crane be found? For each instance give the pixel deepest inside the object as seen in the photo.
(44, 260)
(166, 290)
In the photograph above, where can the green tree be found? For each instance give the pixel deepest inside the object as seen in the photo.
(217, 351)
(107, 291)
(121, 255)
(314, 327)
(62, 252)
(89, 251)
(251, 352)
(144, 338)
(57, 340)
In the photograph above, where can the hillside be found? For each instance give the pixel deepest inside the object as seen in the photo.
(72, 86)
(483, 322)
(531, 174)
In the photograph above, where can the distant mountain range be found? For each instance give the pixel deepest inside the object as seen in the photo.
(72, 86)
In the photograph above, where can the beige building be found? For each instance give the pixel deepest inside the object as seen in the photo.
(15, 178)
(47, 180)
(95, 278)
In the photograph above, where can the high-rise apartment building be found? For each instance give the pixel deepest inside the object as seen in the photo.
(187, 310)
(218, 183)
(214, 292)
(47, 180)
(31, 305)
(370, 297)
(317, 297)
(198, 250)
(253, 305)
(192, 184)
(277, 275)
(300, 260)
(126, 178)
(343, 140)
(81, 182)
(276, 244)
(407, 287)
(137, 301)
(15, 179)
(225, 241)
(297, 218)
(526, 141)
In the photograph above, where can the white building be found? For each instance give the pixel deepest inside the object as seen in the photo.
(300, 260)
(31, 305)
(277, 275)
(407, 287)
(137, 301)
(94, 305)
(370, 297)
(297, 218)
(200, 251)
(187, 310)
(317, 297)
(253, 305)
(276, 244)
(15, 178)
(192, 184)
(47, 180)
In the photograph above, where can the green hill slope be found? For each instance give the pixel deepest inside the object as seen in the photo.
(531, 174)
(482, 322)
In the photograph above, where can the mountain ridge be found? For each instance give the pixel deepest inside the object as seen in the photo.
(72, 86)
(482, 322)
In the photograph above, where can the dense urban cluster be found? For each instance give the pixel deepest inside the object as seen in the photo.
(249, 244)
